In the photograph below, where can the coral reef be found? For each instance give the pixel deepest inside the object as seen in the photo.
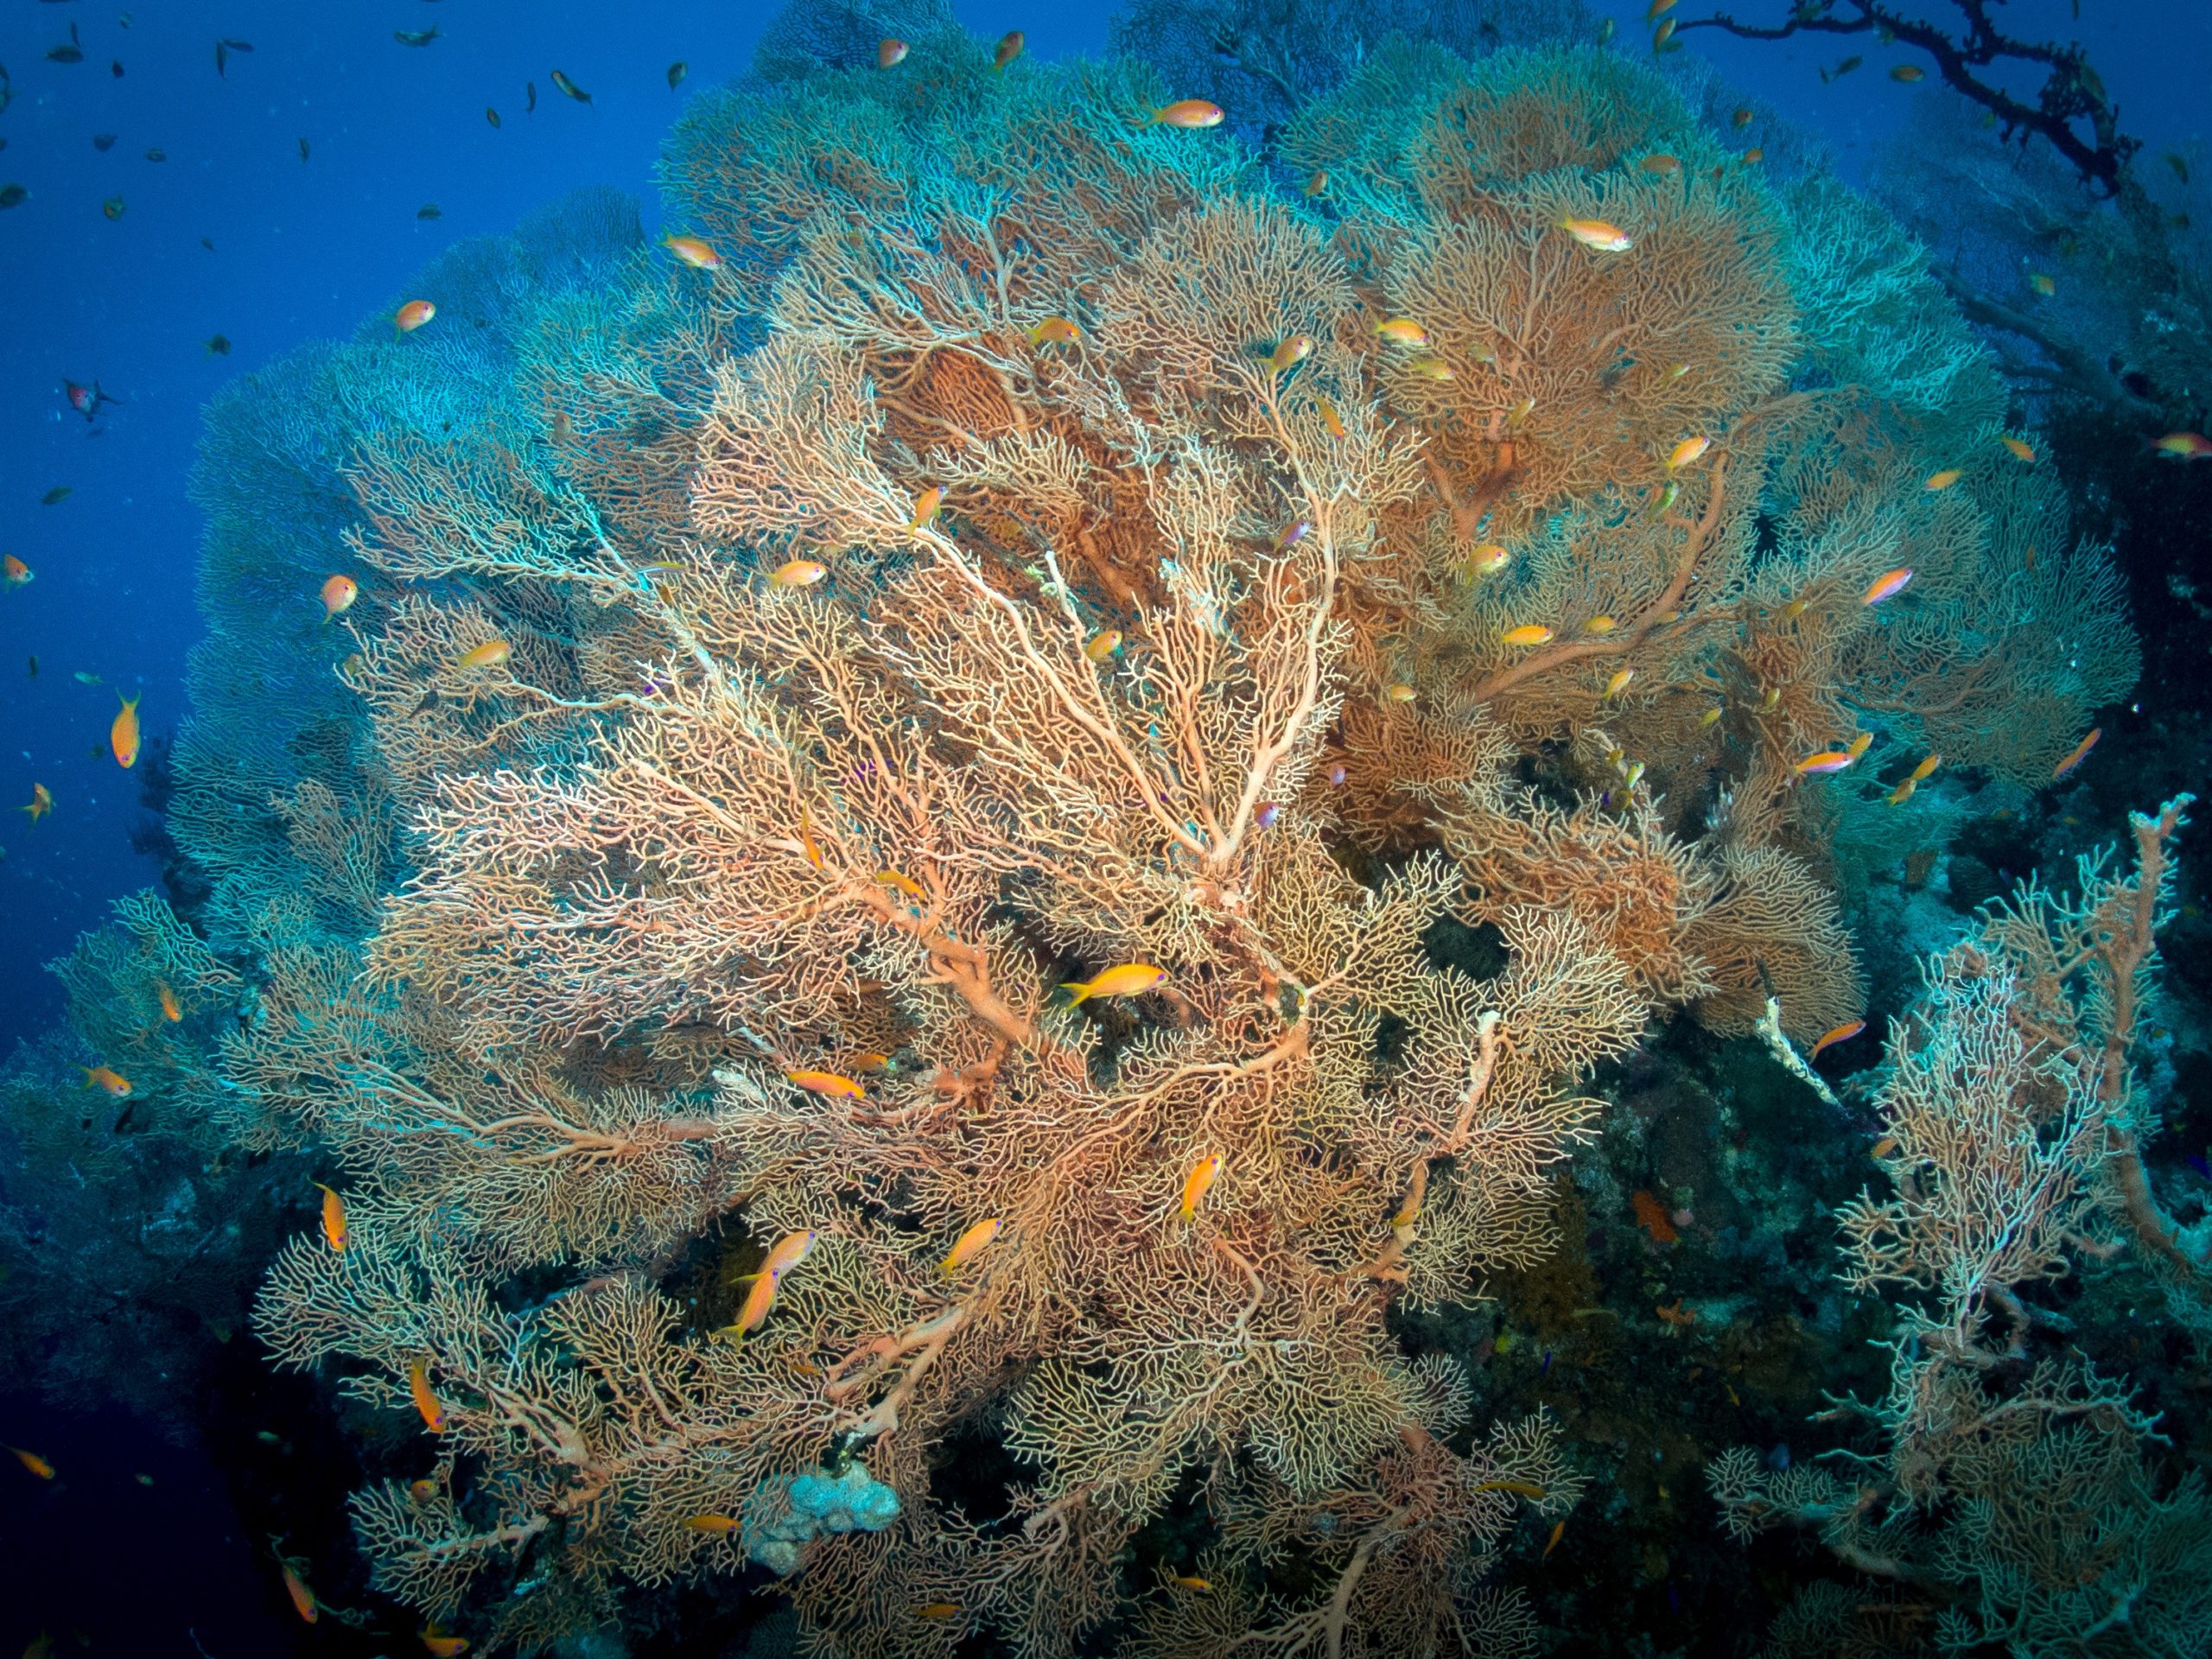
(1022, 813)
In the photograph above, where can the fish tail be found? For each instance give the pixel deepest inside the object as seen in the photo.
(1080, 990)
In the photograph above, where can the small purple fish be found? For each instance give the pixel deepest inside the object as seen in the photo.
(1266, 817)
(1546, 1369)
(2197, 1163)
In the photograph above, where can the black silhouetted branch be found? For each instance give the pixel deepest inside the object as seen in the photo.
(2071, 91)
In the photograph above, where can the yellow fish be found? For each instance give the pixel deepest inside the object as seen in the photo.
(1402, 330)
(1708, 717)
(1330, 418)
(1055, 331)
(787, 1252)
(1399, 693)
(1687, 451)
(1598, 234)
(1199, 1180)
(1618, 684)
(109, 1082)
(1130, 979)
(443, 1646)
(2042, 284)
(1859, 745)
(1191, 1582)
(1944, 480)
(798, 573)
(170, 1009)
(31, 1460)
(970, 1245)
(903, 882)
(1487, 560)
(490, 654)
(717, 1523)
(1926, 769)
(1430, 368)
(1529, 633)
(1317, 185)
(925, 506)
(1291, 353)
(2020, 449)
(1599, 625)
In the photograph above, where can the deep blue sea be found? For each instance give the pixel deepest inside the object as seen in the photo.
(296, 192)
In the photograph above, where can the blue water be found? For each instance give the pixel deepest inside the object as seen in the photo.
(304, 249)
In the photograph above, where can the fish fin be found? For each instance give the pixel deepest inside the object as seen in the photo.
(1080, 990)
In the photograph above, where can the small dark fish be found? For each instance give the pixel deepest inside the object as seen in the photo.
(303, 149)
(562, 84)
(222, 59)
(218, 346)
(238, 46)
(3, 142)
(416, 36)
(59, 493)
(1545, 1369)
(115, 68)
(677, 70)
(114, 207)
(102, 142)
(13, 195)
(430, 210)
(66, 54)
(157, 155)
(492, 115)
(209, 243)
(530, 87)
(33, 671)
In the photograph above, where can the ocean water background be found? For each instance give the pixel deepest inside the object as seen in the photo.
(304, 250)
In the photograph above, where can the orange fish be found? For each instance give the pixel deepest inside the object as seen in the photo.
(1330, 418)
(1399, 693)
(1130, 979)
(1885, 1146)
(422, 1491)
(758, 1301)
(2077, 755)
(170, 1011)
(1558, 1531)
(1598, 234)
(723, 1524)
(826, 1082)
(970, 1245)
(1600, 624)
(1431, 368)
(1908, 73)
(1926, 769)
(1944, 480)
(1754, 155)
(1687, 451)
(1860, 745)
(1009, 48)
(2020, 449)
(1529, 633)
(903, 882)
(1828, 760)
(2184, 445)
(700, 255)
(1191, 1582)
(111, 1084)
(490, 654)
(302, 1597)
(1402, 330)
(412, 315)
(338, 593)
(123, 736)
(1293, 351)
(444, 1646)
(418, 1389)
(1055, 331)
(1888, 585)
(1102, 645)
(1486, 561)
(1842, 1034)
(41, 802)
(1742, 118)
(925, 506)
(937, 1610)
(890, 52)
(333, 1219)
(798, 573)
(32, 1461)
(15, 571)
(2043, 283)
(1190, 112)
(1196, 1183)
